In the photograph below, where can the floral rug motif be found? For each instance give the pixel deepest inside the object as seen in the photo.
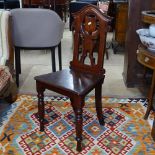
(125, 131)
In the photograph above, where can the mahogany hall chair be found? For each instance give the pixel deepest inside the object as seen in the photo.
(83, 76)
(36, 29)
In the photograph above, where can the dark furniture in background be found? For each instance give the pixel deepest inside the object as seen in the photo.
(121, 22)
(60, 6)
(82, 77)
(9, 4)
(147, 59)
(133, 71)
(120, 1)
(2, 4)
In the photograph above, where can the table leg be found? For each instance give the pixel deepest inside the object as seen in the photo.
(153, 130)
(150, 97)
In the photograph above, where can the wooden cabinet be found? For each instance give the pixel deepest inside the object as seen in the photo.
(121, 22)
(133, 71)
(147, 59)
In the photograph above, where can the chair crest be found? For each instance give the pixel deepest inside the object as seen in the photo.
(89, 30)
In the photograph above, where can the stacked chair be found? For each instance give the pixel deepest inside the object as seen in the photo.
(8, 90)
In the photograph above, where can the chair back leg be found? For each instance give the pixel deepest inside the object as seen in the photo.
(98, 103)
(17, 64)
(59, 56)
(53, 59)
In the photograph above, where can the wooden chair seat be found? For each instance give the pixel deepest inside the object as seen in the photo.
(74, 82)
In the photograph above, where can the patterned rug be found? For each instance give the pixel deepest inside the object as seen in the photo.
(125, 131)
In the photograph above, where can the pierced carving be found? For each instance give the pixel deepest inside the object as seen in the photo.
(89, 38)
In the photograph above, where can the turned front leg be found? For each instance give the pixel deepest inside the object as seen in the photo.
(78, 120)
(41, 108)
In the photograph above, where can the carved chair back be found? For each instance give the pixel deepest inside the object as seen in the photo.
(89, 34)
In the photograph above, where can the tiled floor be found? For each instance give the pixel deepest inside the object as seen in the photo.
(39, 62)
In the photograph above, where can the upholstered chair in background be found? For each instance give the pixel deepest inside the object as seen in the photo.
(35, 28)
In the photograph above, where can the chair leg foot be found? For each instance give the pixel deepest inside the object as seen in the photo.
(147, 115)
(79, 145)
(42, 129)
(102, 122)
(11, 98)
(150, 97)
(17, 79)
